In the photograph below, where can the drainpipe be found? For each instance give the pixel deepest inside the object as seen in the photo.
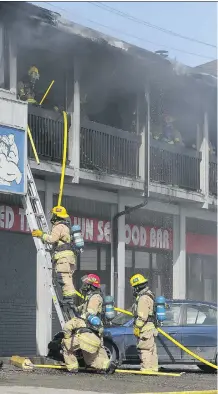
(129, 210)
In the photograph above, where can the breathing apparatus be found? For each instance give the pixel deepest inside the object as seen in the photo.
(160, 309)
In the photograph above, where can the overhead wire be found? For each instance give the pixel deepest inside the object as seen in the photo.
(148, 24)
(131, 35)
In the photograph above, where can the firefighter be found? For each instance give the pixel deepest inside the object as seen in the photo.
(63, 254)
(85, 331)
(26, 88)
(170, 134)
(144, 323)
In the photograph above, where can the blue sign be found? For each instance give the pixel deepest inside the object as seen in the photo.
(12, 160)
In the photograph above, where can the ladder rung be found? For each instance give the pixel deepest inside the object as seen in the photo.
(38, 215)
(33, 198)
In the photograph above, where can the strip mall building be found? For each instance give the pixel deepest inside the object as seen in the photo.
(172, 239)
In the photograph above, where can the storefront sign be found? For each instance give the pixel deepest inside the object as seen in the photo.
(148, 237)
(99, 231)
(12, 160)
(94, 230)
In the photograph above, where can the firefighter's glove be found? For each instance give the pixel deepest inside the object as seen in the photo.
(136, 331)
(37, 233)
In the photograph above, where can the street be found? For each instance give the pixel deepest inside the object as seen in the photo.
(84, 383)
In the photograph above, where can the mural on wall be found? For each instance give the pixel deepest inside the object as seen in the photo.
(12, 160)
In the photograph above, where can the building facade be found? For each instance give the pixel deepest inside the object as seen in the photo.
(113, 161)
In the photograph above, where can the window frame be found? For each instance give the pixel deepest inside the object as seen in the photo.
(197, 305)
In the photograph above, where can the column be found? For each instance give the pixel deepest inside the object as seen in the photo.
(12, 65)
(144, 150)
(113, 213)
(121, 256)
(204, 165)
(179, 255)
(43, 294)
(74, 132)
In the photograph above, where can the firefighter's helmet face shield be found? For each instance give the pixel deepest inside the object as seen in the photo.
(137, 289)
(54, 218)
(85, 286)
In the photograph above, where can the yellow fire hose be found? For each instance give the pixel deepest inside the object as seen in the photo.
(64, 159)
(33, 145)
(26, 365)
(28, 129)
(185, 349)
(46, 93)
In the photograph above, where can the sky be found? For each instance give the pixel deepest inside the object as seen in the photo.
(197, 20)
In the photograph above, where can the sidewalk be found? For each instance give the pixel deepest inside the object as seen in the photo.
(45, 390)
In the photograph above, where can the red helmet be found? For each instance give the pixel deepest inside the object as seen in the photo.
(92, 279)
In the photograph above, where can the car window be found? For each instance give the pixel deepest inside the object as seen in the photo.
(201, 315)
(121, 319)
(172, 315)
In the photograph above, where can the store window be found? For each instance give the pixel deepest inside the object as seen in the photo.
(89, 260)
(162, 274)
(202, 278)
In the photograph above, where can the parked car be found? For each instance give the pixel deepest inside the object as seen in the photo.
(192, 323)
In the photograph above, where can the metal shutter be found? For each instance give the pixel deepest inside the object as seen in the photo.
(17, 294)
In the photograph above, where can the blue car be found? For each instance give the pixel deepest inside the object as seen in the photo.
(192, 323)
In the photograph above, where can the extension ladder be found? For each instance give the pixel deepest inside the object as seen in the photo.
(37, 220)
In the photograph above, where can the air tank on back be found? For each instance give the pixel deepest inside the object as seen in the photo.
(160, 307)
(109, 307)
(77, 238)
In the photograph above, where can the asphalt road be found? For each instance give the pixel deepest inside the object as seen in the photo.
(191, 380)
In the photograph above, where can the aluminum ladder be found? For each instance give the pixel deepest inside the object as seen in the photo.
(37, 220)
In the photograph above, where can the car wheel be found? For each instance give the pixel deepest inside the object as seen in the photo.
(111, 351)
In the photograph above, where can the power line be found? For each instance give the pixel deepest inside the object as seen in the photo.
(148, 24)
(131, 35)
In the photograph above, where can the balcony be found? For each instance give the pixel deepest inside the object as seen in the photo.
(213, 176)
(109, 150)
(106, 150)
(175, 165)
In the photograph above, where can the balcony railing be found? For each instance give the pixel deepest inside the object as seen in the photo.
(105, 149)
(47, 131)
(108, 150)
(213, 176)
(175, 165)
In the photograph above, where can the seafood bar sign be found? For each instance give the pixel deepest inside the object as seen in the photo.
(94, 230)
(12, 160)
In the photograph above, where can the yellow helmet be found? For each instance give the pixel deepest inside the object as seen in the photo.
(34, 71)
(137, 279)
(60, 212)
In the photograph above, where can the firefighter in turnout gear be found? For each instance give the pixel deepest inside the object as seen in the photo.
(85, 331)
(144, 323)
(63, 255)
(26, 88)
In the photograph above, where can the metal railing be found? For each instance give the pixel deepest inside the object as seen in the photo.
(47, 131)
(175, 165)
(109, 150)
(213, 176)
